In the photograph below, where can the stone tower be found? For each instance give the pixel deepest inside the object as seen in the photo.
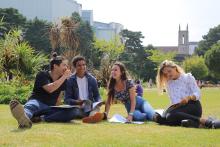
(183, 41)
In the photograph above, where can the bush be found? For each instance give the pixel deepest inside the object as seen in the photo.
(103, 93)
(14, 89)
(196, 65)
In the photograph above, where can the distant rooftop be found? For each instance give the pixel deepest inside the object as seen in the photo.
(167, 48)
(193, 43)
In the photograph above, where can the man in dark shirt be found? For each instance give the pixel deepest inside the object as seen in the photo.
(46, 92)
(39, 93)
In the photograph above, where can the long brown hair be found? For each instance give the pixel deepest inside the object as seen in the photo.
(161, 78)
(112, 81)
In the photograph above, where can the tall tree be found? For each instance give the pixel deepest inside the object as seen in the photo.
(37, 34)
(12, 19)
(135, 55)
(2, 26)
(64, 36)
(212, 59)
(74, 36)
(209, 40)
(150, 66)
(86, 39)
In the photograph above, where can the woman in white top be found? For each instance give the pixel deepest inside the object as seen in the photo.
(184, 95)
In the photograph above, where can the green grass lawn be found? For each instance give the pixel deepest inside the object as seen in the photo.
(106, 134)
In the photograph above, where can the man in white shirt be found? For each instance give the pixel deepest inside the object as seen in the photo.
(82, 89)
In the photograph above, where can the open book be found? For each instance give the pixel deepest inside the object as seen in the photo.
(163, 112)
(159, 111)
(117, 118)
(88, 106)
(97, 104)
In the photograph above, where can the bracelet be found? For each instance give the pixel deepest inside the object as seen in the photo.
(131, 113)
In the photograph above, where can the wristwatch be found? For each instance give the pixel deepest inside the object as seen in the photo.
(131, 113)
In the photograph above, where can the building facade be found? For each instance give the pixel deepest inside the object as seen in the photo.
(53, 10)
(50, 10)
(107, 31)
(184, 48)
(87, 15)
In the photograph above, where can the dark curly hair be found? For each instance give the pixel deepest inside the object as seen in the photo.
(76, 59)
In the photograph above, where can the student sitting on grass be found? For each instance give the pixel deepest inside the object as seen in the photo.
(82, 88)
(184, 95)
(123, 89)
(47, 88)
(139, 88)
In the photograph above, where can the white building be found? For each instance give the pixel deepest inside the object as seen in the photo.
(107, 31)
(53, 10)
(87, 15)
(50, 10)
(103, 31)
(192, 47)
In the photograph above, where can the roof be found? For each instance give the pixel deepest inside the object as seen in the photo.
(167, 48)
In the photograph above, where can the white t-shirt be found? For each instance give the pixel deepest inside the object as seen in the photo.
(182, 87)
(83, 88)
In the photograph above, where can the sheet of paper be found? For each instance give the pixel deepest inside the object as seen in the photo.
(117, 118)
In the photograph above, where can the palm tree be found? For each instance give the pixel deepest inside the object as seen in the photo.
(28, 62)
(2, 26)
(68, 36)
(54, 37)
(7, 52)
(17, 57)
(64, 35)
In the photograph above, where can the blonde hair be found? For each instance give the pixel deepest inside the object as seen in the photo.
(161, 79)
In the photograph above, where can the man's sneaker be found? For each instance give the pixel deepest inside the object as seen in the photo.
(189, 123)
(157, 118)
(17, 111)
(94, 119)
(209, 122)
(216, 124)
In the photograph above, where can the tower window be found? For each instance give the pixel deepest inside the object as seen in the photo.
(183, 40)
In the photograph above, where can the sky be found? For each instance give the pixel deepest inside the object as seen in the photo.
(158, 20)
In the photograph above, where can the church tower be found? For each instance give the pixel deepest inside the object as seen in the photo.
(183, 41)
